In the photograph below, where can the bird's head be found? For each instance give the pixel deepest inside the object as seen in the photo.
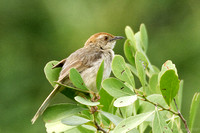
(102, 40)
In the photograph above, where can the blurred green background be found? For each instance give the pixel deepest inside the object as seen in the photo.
(35, 32)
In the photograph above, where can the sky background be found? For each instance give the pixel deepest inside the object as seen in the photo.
(35, 32)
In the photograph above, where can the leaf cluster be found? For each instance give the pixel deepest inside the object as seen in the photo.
(119, 106)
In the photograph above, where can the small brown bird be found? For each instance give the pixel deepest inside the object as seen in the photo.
(87, 61)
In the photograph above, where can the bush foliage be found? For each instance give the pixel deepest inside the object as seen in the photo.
(152, 107)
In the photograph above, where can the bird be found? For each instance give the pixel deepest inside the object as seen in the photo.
(87, 60)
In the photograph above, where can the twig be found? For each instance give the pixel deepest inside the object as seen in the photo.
(99, 127)
(181, 116)
(168, 109)
(157, 104)
(93, 110)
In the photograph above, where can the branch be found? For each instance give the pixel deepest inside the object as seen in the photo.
(157, 104)
(99, 127)
(167, 109)
(181, 116)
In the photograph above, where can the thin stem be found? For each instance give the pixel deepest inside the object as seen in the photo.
(93, 111)
(157, 104)
(182, 118)
(168, 109)
(99, 127)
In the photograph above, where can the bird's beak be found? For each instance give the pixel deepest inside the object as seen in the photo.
(116, 38)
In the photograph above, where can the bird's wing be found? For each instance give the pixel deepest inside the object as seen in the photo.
(59, 64)
(64, 74)
(80, 60)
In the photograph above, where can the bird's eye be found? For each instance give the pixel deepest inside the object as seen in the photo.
(106, 38)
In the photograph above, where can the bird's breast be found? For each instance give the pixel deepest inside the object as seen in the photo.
(89, 74)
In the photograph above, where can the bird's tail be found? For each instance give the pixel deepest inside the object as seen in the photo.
(45, 103)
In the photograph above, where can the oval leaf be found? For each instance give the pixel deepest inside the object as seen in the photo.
(125, 101)
(133, 69)
(121, 71)
(114, 118)
(116, 88)
(168, 65)
(159, 125)
(172, 124)
(52, 74)
(74, 120)
(130, 35)
(105, 100)
(169, 85)
(60, 111)
(57, 127)
(153, 82)
(131, 122)
(141, 65)
(144, 37)
(99, 76)
(138, 42)
(129, 53)
(85, 101)
(77, 80)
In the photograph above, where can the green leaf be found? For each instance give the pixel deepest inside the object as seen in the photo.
(153, 82)
(121, 71)
(159, 125)
(133, 69)
(169, 85)
(134, 131)
(116, 88)
(168, 65)
(138, 42)
(180, 94)
(141, 65)
(130, 35)
(128, 51)
(74, 120)
(82, 129)
(131, 122)
(70, 88)
(126, 111)
(89, 128)
(193, 109)
(142, 127)
(57, 127)
(99, 76)
(60, 111)
(173, 126)
(52, 74)
(130, 109)
(115, 119)
(77, 80)
(125, 101)
(85, 101)
(144, 37)
(178, 99)
(105, 100)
